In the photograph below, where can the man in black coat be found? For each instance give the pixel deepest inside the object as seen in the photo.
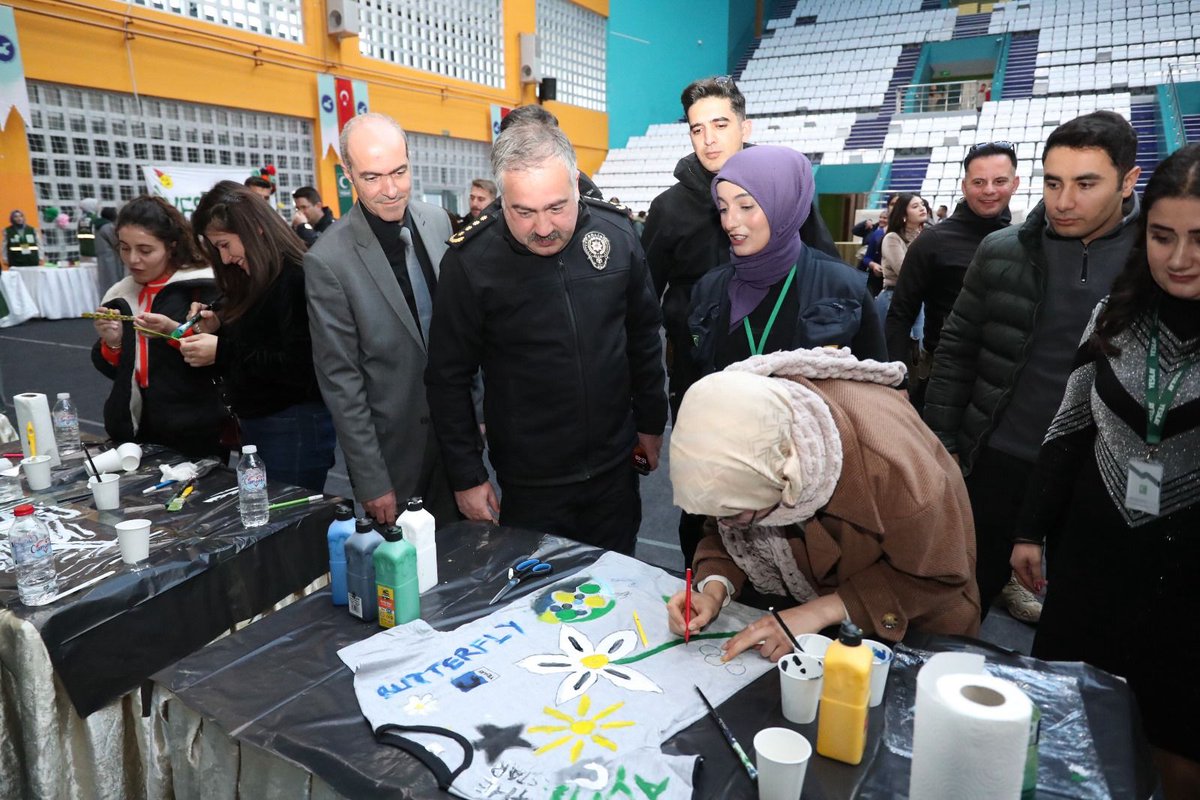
(683, 238)
(933, 269)
(550, 296)
(311, 218)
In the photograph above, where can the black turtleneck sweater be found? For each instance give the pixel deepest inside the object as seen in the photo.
(933, 274)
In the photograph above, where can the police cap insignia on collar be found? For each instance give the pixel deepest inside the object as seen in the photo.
(597, 247)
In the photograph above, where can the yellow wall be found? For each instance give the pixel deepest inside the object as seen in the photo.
(85, 44)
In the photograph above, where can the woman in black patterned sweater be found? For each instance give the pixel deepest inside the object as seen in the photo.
(1117, 488)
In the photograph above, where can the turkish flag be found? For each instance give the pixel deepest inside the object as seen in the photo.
(345, 101)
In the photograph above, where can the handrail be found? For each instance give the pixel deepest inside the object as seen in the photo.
(919, 98)
(1175, 70)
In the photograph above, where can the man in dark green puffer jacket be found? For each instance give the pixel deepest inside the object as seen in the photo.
(1008, 345)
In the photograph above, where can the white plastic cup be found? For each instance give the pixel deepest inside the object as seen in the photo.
(814, 644)
(133, 537)
(37, 472)
(781, 756)
(800, 679)
(106, 491)
(131, 456)
(881, 664)
(108, 461)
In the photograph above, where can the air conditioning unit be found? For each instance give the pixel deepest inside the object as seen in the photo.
(531, 58)
(341, 18)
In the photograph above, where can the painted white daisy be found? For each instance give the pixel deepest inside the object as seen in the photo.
(585, 663)
(421, 704)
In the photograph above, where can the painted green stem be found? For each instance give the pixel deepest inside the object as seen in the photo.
(674, 643)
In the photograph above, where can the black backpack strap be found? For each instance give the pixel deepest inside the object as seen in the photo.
(393, 734)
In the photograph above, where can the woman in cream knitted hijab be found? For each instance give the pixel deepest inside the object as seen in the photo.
(758, 448)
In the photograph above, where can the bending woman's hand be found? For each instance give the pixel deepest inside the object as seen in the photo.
(706, 607)
(772, 641)
(199, 350)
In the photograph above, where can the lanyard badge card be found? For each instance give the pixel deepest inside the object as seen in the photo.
(1143, 488)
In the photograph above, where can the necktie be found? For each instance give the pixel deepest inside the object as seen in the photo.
(416, 277)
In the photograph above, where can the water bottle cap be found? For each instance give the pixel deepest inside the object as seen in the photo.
(364, 525)
(343, 513)
(64, 395)
(393, 534)
(415, 503)
(23, 510)
(249, 448)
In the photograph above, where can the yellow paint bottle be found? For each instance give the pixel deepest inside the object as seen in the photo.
(842, 724)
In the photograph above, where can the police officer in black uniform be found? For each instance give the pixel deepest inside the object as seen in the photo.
(552, 298)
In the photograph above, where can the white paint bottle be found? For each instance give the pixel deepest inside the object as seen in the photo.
(418, 526)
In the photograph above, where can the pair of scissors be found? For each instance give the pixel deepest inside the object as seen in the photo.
(522, 568)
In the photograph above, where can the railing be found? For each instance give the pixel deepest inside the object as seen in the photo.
(1179, 72)
(921, 98)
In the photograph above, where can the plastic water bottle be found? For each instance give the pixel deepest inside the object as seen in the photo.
(418, 526)
(37, 580)
(339, 530)
(252, 488)
(398, 599)
(10, 485)
(360, 570)
(66, 425)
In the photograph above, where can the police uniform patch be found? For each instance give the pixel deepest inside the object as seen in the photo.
(597, 247)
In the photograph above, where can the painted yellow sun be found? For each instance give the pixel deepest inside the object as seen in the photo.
(580, 729)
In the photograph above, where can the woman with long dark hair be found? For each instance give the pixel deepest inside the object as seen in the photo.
(1116, 497)
(259, 338)
(906, 220)
(156, 397)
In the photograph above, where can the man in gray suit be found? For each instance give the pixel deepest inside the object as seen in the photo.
(370, 281)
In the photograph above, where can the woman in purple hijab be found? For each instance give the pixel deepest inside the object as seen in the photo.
(776, 294)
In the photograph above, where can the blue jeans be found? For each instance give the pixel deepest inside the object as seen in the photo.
(296, 444)
(884, 301)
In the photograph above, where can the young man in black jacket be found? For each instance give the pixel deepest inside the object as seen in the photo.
(683, 238)
(1009, 343)
(933, 269)
(311, 218)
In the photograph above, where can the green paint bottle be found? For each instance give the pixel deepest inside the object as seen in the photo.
(399, 598)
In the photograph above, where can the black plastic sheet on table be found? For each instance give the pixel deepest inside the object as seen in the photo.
(205, 573)
(279, 685)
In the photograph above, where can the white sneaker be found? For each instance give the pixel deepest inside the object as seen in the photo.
(1021, 603)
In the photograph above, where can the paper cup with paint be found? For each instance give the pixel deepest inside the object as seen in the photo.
(814, 644)
(800, 679)
(133, 537)
(131, 456)
(107, 462)
(881, 664)
(781, 756)
(106, 491)
(37, 472)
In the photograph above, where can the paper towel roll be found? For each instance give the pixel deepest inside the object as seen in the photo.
(970, 739)
(33, 407)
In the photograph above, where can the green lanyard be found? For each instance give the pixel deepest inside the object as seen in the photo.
(1159, 397)
(757, 350)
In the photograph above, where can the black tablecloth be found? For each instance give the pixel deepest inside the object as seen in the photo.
(280, 686)
(205, 573)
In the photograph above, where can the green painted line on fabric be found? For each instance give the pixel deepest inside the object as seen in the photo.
(674, 643)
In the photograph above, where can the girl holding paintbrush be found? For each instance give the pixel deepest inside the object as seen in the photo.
(156, 397)
(259, 339)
